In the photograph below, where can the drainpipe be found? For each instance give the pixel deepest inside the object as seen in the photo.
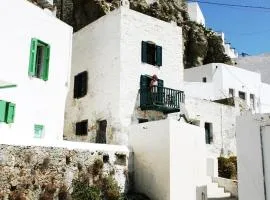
(262, 153)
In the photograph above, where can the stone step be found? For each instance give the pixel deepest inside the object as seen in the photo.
(214, 191)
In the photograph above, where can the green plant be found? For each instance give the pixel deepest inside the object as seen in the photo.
(110, 188)
(227, 167)
(82, 191)
(97, 167)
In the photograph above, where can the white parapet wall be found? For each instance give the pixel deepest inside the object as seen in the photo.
(37, 101)
(253, 148)
(169, 159)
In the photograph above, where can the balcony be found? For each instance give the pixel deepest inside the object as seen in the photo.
(161, 99)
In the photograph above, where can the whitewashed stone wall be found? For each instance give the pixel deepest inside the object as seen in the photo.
(223, 118)
(37, 101)
(28, 171)
(110, 50)
(169, 160)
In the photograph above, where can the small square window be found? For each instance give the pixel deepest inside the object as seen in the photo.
(39, 59)
(82, 128)
(80, 84)
(242, 95)
(204, 79)
(39, 131)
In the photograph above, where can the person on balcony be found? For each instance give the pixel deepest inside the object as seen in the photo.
(153, 88)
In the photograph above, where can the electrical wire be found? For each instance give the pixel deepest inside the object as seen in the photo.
(232, 5)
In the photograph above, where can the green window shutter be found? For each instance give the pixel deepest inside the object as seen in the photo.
(144, 90)
(144, 51)
(38, 131)
(158, 55)
(10, 113)
(45, 73)
(33, 57)
(3, 111)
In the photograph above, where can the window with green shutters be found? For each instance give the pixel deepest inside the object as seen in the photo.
(151, 53)
(39, 59)
(7, 112)
(39, 130)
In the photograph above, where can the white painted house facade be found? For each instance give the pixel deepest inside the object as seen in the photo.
(195, 13)
(220, 81)
(35, 70)
(114, 59)
(253, 163)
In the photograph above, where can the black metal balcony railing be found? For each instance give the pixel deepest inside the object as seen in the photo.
(162, 99)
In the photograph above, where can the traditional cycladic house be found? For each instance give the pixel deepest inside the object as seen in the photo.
(34, 82)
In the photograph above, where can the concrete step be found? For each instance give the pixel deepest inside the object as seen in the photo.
(214, 191)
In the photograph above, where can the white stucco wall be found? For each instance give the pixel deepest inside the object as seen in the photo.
(252, 142)
(110, 50)
(37, 101)
(222, 118)
(195, 13)
(265, 98)
(163, 169)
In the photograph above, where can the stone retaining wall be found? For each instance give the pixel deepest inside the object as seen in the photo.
(27, 172)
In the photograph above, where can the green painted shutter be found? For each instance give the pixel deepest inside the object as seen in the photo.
(10, 113)
(38, 131)
(33, 57)
(3, 109)
(144, 51)
(144, 90)
(158, 55)
(45, 73)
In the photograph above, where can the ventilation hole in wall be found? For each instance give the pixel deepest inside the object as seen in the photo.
(13, 188)
(106, 158)
(68, 160)
(121, 159)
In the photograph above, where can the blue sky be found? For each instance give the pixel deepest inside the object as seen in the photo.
(248, 30)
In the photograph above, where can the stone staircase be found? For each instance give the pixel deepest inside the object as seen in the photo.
(215, 192)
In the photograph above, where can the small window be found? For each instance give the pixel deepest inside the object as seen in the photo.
(80, 85)
(252, 101)
(208, 132)
(142, 120)
(204, 79)
(101, 132)
(151, 53)
(231, 92)
(39, 59)
(82, 128)
(39, 131)
(242, 95)
(7, 112)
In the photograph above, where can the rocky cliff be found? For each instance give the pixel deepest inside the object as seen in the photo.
(201, 45)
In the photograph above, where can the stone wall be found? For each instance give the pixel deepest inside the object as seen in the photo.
(35, 172)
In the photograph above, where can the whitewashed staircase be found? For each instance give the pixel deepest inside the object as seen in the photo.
(214, 191)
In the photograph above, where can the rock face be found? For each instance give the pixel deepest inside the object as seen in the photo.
(84, 12)
(48, 172)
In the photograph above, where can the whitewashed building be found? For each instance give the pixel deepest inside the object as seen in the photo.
(253, 159)
(113, 61)
(35, 69)
(195, 13)
(217, 81)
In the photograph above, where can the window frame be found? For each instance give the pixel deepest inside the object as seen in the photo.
(79, 126)
(80, 87)
(7, 112)
(242, 93)
(33, 65)
(155, 58)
